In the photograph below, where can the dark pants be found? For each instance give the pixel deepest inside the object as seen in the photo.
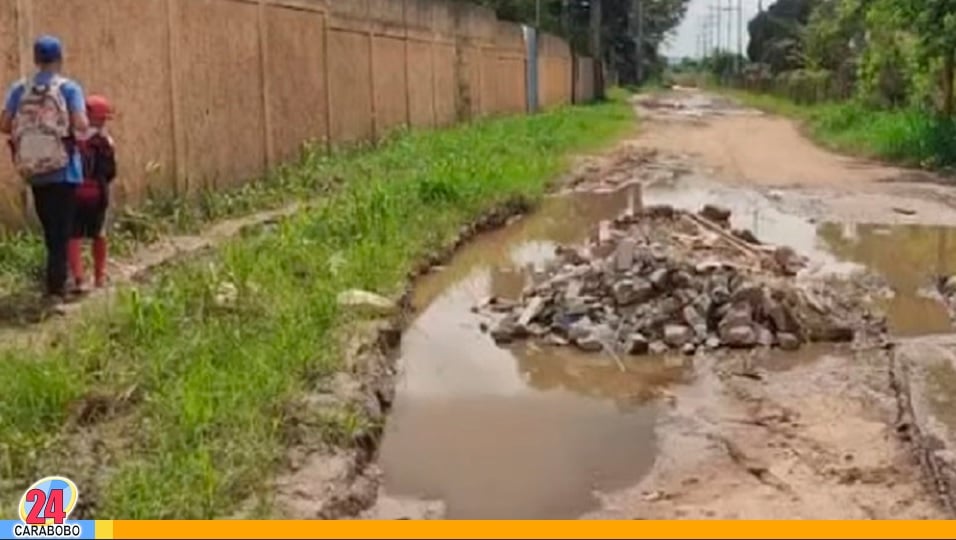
(55, 206)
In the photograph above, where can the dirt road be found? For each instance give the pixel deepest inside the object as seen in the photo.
(829, 432)
(813, 437)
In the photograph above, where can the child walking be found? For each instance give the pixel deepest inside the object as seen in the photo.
(92, 196)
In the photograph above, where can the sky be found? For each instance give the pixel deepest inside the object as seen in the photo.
(684, 42)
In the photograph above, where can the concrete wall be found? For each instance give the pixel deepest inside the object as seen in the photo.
(210, 93)
(555, 67)
(585, 87)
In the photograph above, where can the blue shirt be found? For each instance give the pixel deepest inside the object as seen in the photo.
(75, 103)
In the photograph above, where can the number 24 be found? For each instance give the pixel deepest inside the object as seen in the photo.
(53, 507)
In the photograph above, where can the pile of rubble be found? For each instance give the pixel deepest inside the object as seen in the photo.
(663, 279)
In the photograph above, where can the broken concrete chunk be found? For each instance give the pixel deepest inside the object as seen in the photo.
(779, 316)
(580, 330)
(637, 344)
(624, 254)
(576, 307)
(788, 342)
(660, 278)
(739, 314)
(604, 232)
(574, 289)
(787, 260)
(536, 330)
(658, 347)
(589, 343)
(740, 336)
(532, 310)
(682, 279)
(640, 295)
(366, 303)
(748, 292)
(764, 336)
(677, 335)
(506, 331)
(555, 340)
(631, 291)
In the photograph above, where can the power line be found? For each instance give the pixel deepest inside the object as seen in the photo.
(716, 11)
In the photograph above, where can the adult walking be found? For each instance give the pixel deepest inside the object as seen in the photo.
(43, 112)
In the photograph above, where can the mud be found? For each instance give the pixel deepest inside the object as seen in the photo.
(526, 432)
(480, 431)
(859, 430)
(325, 479)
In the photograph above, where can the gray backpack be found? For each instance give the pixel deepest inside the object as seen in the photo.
(41, 126)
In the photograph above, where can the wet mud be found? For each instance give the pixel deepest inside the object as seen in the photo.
(525, 432)
(531, 431)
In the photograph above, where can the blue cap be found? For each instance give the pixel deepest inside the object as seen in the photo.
(47, 49)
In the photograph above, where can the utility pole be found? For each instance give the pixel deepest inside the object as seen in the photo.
(595, 28)
(740, 35)
(595, 42)
(537, 14)
(637, 18)
(719, 40)
(730, 22)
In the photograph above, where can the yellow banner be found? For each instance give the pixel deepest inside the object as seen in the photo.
(123, 530)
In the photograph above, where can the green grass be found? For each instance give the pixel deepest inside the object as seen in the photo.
(213, 379)
(911, 137)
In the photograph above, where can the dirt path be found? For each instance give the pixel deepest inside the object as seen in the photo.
(25, 320)
(483, 431)
(812, 436)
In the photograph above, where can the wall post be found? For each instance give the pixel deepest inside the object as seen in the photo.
(180, 169)
(268, 139)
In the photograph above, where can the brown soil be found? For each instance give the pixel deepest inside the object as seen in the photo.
(762, 150)
(493, 432)
(824, 434)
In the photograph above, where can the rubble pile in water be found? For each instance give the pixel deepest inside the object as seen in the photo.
(663, 279)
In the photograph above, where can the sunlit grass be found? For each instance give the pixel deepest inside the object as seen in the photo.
(217, 348)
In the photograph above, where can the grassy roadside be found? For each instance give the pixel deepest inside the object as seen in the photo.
(198, 368)
(905, 136)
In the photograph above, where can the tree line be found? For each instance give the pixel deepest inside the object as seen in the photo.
(885, 53)
(626, 34)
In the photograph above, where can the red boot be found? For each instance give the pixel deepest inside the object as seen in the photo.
(74, 256)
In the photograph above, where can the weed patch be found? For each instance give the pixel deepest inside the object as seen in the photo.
(216, 349)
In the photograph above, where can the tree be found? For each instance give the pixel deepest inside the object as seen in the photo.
(775, 34)
(934, 23)
(571, 19)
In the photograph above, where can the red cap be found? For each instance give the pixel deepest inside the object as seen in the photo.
(98, 108)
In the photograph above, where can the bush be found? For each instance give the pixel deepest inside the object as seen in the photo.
(910, 136)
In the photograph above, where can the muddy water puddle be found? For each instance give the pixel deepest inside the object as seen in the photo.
(525, 432)
(908, 257)
(531, 432)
